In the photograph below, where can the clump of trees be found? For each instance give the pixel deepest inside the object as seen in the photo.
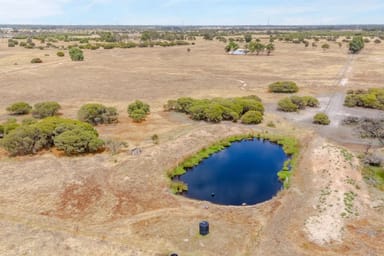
(95, 114)
(371, 98)
(138, 110)
(45, 109)
(71, 136)
(217, 109)
(283, 87)
(258, 47)
(296, 103)
(19, 108)
(76, 54)
(356, 45)
(321, 118)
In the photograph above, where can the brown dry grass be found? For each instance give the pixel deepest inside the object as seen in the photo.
(121, 205)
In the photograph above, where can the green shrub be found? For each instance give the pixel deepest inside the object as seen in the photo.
(252, 117)
(310, 101)
(76, 54)
(138, 110)
(95, 114)
(45, 109)
(60, 54)
(287, 105)
(298, 101)
(321, 118)
(283, 87)
(78, 141)
(36, 60)
(138, 115)
(19, 108)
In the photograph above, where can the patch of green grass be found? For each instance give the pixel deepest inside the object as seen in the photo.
(347, 155)
(178, 187)
(349, 198)
(374, 175)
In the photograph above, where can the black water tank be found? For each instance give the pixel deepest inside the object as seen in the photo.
(204, 228)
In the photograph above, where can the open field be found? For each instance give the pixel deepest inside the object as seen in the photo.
(121, 205)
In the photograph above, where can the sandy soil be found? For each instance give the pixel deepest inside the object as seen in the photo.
(121, 205)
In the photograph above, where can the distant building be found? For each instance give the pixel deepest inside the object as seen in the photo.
(239, 52)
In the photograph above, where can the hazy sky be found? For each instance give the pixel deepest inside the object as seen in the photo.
(192, 12)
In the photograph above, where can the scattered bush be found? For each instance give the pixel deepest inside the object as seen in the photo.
(19, 108)
(252, 117)
(283, 87)
(36, 60)
(95, 114)
(321, 118)
(76, 54)
(217, 109)
(60, 54)
(45, 109)
(372, 98)
(138, 110)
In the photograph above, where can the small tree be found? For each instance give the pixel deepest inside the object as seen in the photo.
(248, 37)
(321, 118)
(19, 108)
(45, 109)
(78, 141)
(60, 54)
(356, 45)
(231, 46)
(76, 54)
(270, 48)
